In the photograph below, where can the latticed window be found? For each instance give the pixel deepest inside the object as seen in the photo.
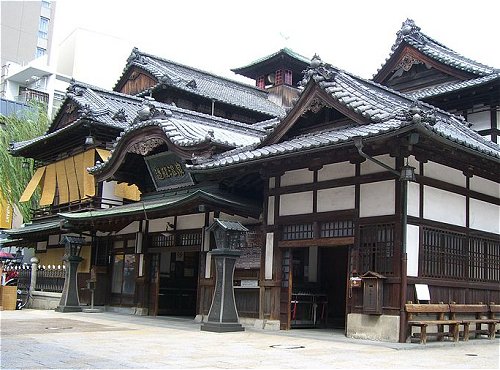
(163, 240)
(376, 249)
(484, 259)
(260, 82)
(445, 254)
(288, 77)
(188, 239)
(336, 229)
(278, 77)
(297, 232)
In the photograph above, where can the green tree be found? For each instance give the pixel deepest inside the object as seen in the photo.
(16, 172)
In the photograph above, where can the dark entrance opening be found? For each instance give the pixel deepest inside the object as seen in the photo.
(319, 283)
(333, 281)
(174, 284)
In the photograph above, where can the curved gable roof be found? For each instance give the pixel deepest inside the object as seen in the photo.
(410, 35)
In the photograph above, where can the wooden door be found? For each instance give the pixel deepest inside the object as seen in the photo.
(154, 283)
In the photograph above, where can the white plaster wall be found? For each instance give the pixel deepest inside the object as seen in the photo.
(377, 199)
(444, 206)
(444, 173)
(413, 199)
(108, 192)
(194, 221)
(270, 210)
(484, 216)
(412, 246)
(335, 199)
(268, 266)
(479, 120)
(296, 177)
(485, 186)
(296, 203)
(414, 163)
(272, 182)
(160, 224)
(131, 228)
(372, 167)
(336, 171)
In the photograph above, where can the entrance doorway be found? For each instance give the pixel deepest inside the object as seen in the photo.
(174, 283)
(318, 283)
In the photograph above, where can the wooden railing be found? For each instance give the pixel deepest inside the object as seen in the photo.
(90, 203)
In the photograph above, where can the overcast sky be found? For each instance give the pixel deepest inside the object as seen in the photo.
(219, 35)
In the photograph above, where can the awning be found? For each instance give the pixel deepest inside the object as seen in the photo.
(33, 228)
(176, 203)
(30, 233)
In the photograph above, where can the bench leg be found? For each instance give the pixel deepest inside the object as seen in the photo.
(491, 331)
(466, 331)
(423, 334)
(456, 332)
(440, 332)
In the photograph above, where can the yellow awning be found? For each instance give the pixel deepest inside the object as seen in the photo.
(88, 179)
(30, 189)
(74, 191)
(103, 153)
(79, 174)
(5, 214)
(127, 191)
(49, 185)
(62, 182)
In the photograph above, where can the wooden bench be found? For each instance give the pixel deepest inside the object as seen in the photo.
(494, 311)
(481, 317)
(438, 310)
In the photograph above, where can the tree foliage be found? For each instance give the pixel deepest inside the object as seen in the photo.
(16, 172)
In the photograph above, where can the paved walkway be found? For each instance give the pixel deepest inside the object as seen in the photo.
(36, 339)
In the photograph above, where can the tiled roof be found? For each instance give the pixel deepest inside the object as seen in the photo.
(452, 86)
(286, 51)
(205, 84)
(97, 107)
(411, 34)
(386, 111)
(188, 129)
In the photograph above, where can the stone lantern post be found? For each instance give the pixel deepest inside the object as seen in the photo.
(229, 237)
(69, 298)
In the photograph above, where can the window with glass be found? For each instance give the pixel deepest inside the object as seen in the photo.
(43, 28)
(40, 52)
(376, 249)
(46, 4)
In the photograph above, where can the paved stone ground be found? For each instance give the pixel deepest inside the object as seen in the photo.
(36, 339)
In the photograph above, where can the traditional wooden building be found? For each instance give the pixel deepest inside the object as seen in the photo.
(352, 198)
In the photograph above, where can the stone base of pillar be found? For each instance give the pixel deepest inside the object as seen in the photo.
(68, 309)
(222, 327)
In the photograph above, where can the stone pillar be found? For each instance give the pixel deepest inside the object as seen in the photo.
(70, 301)
(34, 269)
(223, 316)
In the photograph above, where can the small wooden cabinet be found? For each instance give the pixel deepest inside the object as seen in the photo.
(373, 293)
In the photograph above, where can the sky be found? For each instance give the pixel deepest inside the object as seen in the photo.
(218, 35)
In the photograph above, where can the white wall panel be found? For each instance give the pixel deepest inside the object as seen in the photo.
(413, 199)
(296, 177)
(412, 247)
(444, 173)
(335, 199)
(372, 167)
(484, 216)
(479, 120)
(108, 192)
(336, 171)
(268, 266)
(444, 206)
(194, 221)
(377, 199)
(131, 228)
(270, 210)
(160, 224)
(296, 203)
(485, 186)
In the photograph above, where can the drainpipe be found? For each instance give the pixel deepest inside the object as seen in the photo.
(406, 174)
